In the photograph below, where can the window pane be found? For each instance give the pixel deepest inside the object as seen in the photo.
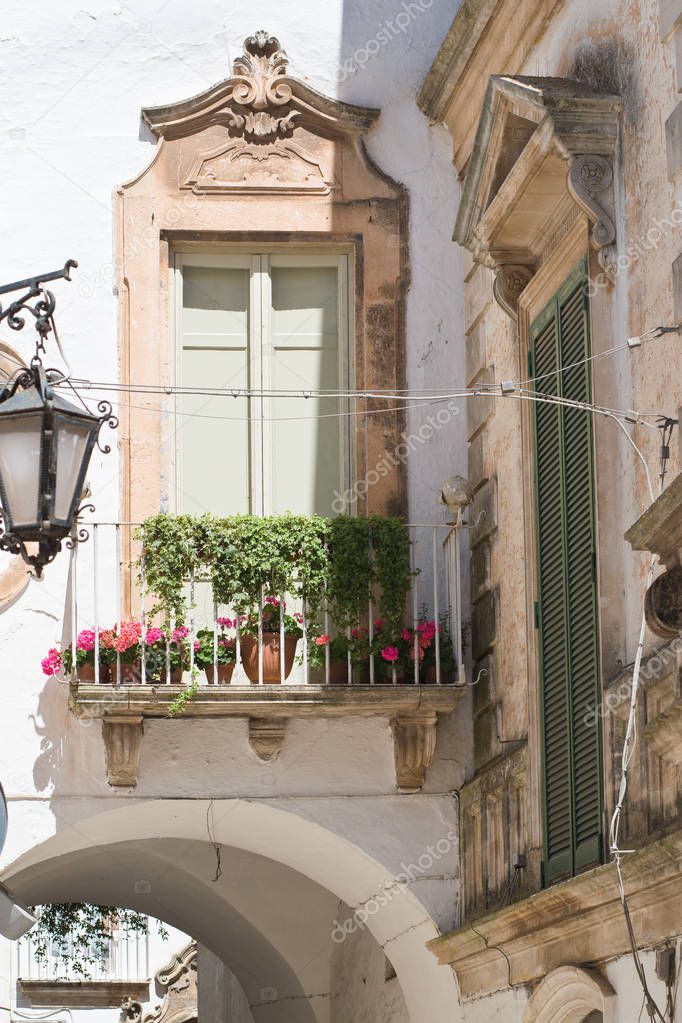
(305, 452)
(213, 432)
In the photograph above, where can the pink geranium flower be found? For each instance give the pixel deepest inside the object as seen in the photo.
(406, 635)
(322, 640)
(128, 637)
(52, 664)
(182, 632)
(379, 625)
(154, 635)
(225, 623)
(86, 640)
(390, 653)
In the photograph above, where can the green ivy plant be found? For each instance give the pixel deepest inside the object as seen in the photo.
(171, 547)
(344, 561)
(392, 571)
(77, 934)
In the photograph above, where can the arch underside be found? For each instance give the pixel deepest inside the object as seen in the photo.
(265, 906)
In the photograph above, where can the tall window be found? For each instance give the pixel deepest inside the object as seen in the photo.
(567, 591)
(265, 323)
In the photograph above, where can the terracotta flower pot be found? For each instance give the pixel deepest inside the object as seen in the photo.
(224, 674)
(131, 673)
(271, 673)
(338, 673)
(86, 672)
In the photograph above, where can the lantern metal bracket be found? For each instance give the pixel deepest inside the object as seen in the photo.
(43, 308)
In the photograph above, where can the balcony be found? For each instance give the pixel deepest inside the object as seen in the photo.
(122, 970)
(277, 619)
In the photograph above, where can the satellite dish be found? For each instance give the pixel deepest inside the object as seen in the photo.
(3, 818)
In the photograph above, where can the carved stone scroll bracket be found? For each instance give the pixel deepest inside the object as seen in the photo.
(266, 737)
(510, 280)
(122, 746)
(414, 744)
(663, 604)
(590, 182)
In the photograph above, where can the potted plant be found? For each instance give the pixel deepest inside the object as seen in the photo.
(205, 646)
(84, 666)
(126, 644)
(272, 613)
(159, 651)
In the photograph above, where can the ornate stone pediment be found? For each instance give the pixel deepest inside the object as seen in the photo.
(178, 982)
(543, 146)
(259, 103)
(269, 123)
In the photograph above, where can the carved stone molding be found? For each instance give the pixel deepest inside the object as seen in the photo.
(544, 146)
(259, 103)
(663, 604)
(414, 744)
(570, 993)
(510, 280)
(122, 746)
(266, 737)
(412, 710)
(178, 981)
(590, 182)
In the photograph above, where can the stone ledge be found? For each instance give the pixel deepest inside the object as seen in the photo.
(659, 529)
(85, 994)
(576, 921)
(411, 710)
(267, 701)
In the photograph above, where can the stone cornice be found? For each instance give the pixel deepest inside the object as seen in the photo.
(469, 24)
(659, 529)
(577, 921)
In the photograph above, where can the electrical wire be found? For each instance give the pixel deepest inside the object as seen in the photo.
(628, 415)
(628, 752)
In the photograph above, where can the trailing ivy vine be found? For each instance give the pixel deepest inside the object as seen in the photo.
(172, 546)
(344, 561)
(391, 547)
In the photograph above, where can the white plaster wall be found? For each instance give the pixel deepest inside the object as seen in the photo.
(74, 77)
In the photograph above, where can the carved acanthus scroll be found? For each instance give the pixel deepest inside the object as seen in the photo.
(259, 95)
(510, 280)
(590, 182)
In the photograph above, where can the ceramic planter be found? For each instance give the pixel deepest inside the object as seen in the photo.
(271, 665)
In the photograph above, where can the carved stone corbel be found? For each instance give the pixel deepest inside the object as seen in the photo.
(663, 604)
(414, 744)
(122, 746)
(510, 280)
(266, 737)
(590, 182)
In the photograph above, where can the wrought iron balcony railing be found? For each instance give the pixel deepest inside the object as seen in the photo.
(107, 588)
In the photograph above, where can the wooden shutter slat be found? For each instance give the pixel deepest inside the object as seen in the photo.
(568, 628)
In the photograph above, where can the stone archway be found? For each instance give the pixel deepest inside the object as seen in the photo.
(397, 920)
(570, 994)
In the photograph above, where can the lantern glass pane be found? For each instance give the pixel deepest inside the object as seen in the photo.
(20, 440)
(72, 445)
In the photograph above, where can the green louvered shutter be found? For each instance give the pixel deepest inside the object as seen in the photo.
(567, 619)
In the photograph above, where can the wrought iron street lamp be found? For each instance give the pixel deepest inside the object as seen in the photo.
(45, 441)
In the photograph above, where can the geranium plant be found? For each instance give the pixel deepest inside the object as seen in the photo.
(161, 649)
(273, 612)
(205, 645)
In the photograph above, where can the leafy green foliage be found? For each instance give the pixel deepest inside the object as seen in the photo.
(77, 934)
(171, 553)
(343, 561)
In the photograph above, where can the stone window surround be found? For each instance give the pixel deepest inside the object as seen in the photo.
(259, 158)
